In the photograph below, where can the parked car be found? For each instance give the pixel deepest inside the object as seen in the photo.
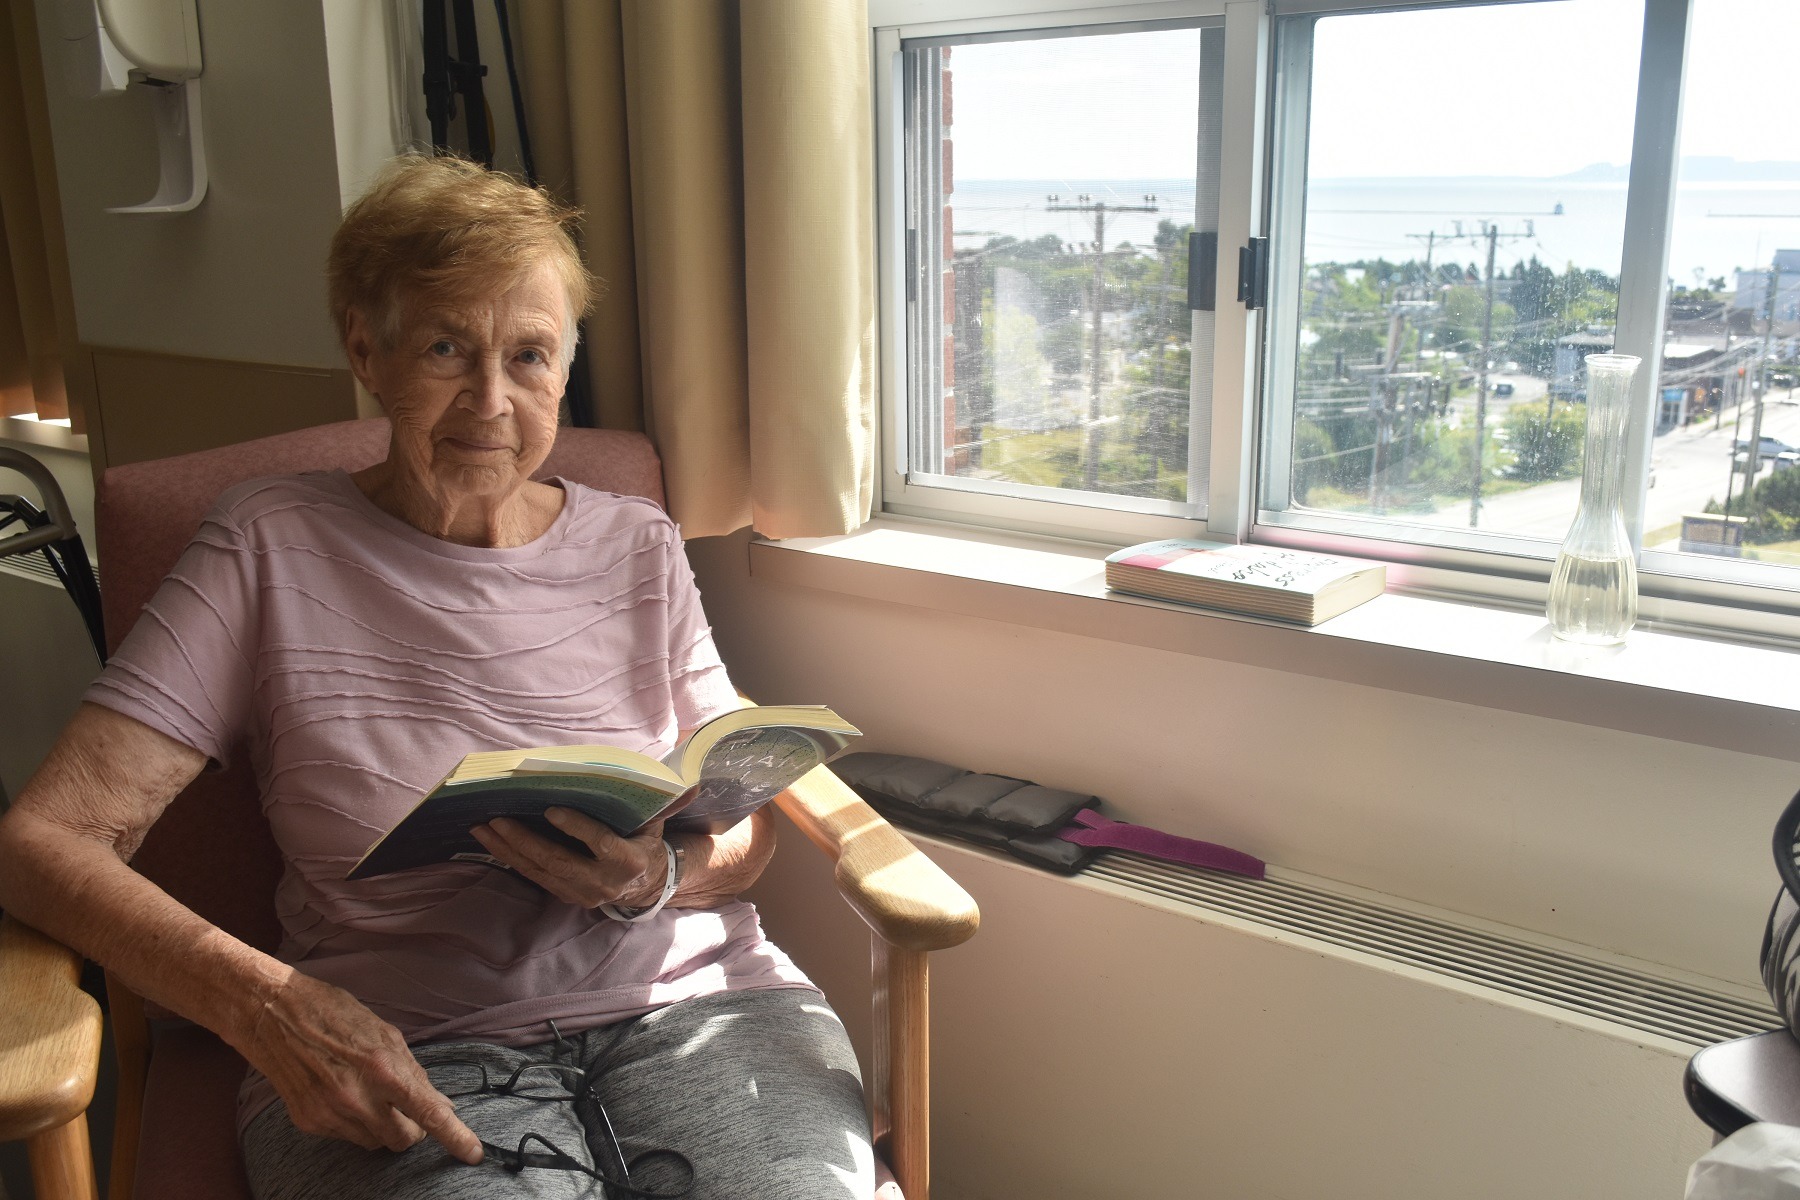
(1766, 449)
(1503, 389)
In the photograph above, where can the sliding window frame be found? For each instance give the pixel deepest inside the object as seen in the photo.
(1222, 440)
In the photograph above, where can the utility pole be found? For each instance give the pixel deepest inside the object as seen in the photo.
(1753, 459)
(1492, 235)
(1490, 232)
(1430, 240)
(1381, 398)
(1737, 427)
(1719, 413)
(1385, 390)
(1090, 471)
(1481, 394)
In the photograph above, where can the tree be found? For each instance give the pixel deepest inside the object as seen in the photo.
(1065, 342)
(1774, 508)
(1545, 447)
(1464, 312)
(1342, 311)
(1018, 362)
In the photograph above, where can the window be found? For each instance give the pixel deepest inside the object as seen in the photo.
(1448, 242)
(1460, 200)
(1061, 202)
(1732, 314)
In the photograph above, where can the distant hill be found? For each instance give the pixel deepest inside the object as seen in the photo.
(1696, 169)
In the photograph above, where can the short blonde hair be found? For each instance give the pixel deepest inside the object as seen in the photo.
(453, 231)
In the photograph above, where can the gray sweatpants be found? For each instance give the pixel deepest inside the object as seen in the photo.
(758, 1090)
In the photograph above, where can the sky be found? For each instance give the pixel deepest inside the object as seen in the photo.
(1124, 106)
(1517, 89)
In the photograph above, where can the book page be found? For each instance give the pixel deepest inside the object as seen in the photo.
(689, 759)
(661, 777)
(746, 769)
(497, 764)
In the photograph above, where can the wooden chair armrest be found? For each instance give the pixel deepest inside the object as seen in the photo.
(906, 898)
(49, 1034)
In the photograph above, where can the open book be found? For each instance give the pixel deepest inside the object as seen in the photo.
(715, 777)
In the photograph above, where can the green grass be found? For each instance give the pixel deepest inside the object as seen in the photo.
(1031, 458)
(1785, 554)
(1330, 499)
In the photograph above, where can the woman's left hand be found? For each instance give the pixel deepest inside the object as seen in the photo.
(623, 870)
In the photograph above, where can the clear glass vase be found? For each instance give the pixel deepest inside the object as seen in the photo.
(1593, 593)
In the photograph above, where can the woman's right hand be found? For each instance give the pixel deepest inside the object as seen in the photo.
(64, 844)
(346, 1073)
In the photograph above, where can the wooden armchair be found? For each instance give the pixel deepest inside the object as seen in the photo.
(174, 1135)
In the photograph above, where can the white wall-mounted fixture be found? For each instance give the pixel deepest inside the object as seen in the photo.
(113, 44)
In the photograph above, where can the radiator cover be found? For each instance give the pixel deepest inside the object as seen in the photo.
(1134, 1032)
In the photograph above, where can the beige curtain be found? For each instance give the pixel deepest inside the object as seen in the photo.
(720, 150)
(31, 356)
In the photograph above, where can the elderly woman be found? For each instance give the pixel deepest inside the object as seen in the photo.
(355, 635)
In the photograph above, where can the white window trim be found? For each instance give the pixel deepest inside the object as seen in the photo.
(1742, 600)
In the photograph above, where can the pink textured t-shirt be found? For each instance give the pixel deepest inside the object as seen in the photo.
(357, 659)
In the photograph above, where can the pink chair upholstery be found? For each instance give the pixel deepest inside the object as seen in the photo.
(212, 849)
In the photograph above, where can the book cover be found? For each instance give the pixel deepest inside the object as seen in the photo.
(1269, 581)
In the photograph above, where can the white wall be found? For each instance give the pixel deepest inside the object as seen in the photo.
(240, 277)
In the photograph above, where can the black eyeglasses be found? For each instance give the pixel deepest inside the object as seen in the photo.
(555, 1082)
(553, 1158)
(531, 1081)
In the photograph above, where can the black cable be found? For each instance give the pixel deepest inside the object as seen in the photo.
(466, 72)
(554, 1158)
(436, 47)
(518, 100)
(77, 575)
(68, 562)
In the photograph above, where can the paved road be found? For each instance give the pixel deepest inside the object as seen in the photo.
(1691, 467)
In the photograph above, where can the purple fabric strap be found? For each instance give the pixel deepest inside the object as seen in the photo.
(1117, 835)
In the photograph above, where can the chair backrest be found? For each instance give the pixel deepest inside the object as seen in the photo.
(212, 849)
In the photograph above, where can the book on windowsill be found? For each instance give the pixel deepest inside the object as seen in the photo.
(1261, 581)
(713, 778)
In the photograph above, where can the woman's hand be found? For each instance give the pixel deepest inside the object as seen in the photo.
(346, 1073)
(622, 870)
(343, 1071)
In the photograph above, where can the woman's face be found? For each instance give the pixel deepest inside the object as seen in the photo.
(472, 389)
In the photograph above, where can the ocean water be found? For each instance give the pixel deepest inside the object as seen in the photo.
(1720, 227)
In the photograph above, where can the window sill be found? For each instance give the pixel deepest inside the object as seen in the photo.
(1733, 696)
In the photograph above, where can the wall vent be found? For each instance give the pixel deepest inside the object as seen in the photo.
(1595, 987)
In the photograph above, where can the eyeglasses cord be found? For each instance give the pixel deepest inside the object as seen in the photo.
(516, 1160)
